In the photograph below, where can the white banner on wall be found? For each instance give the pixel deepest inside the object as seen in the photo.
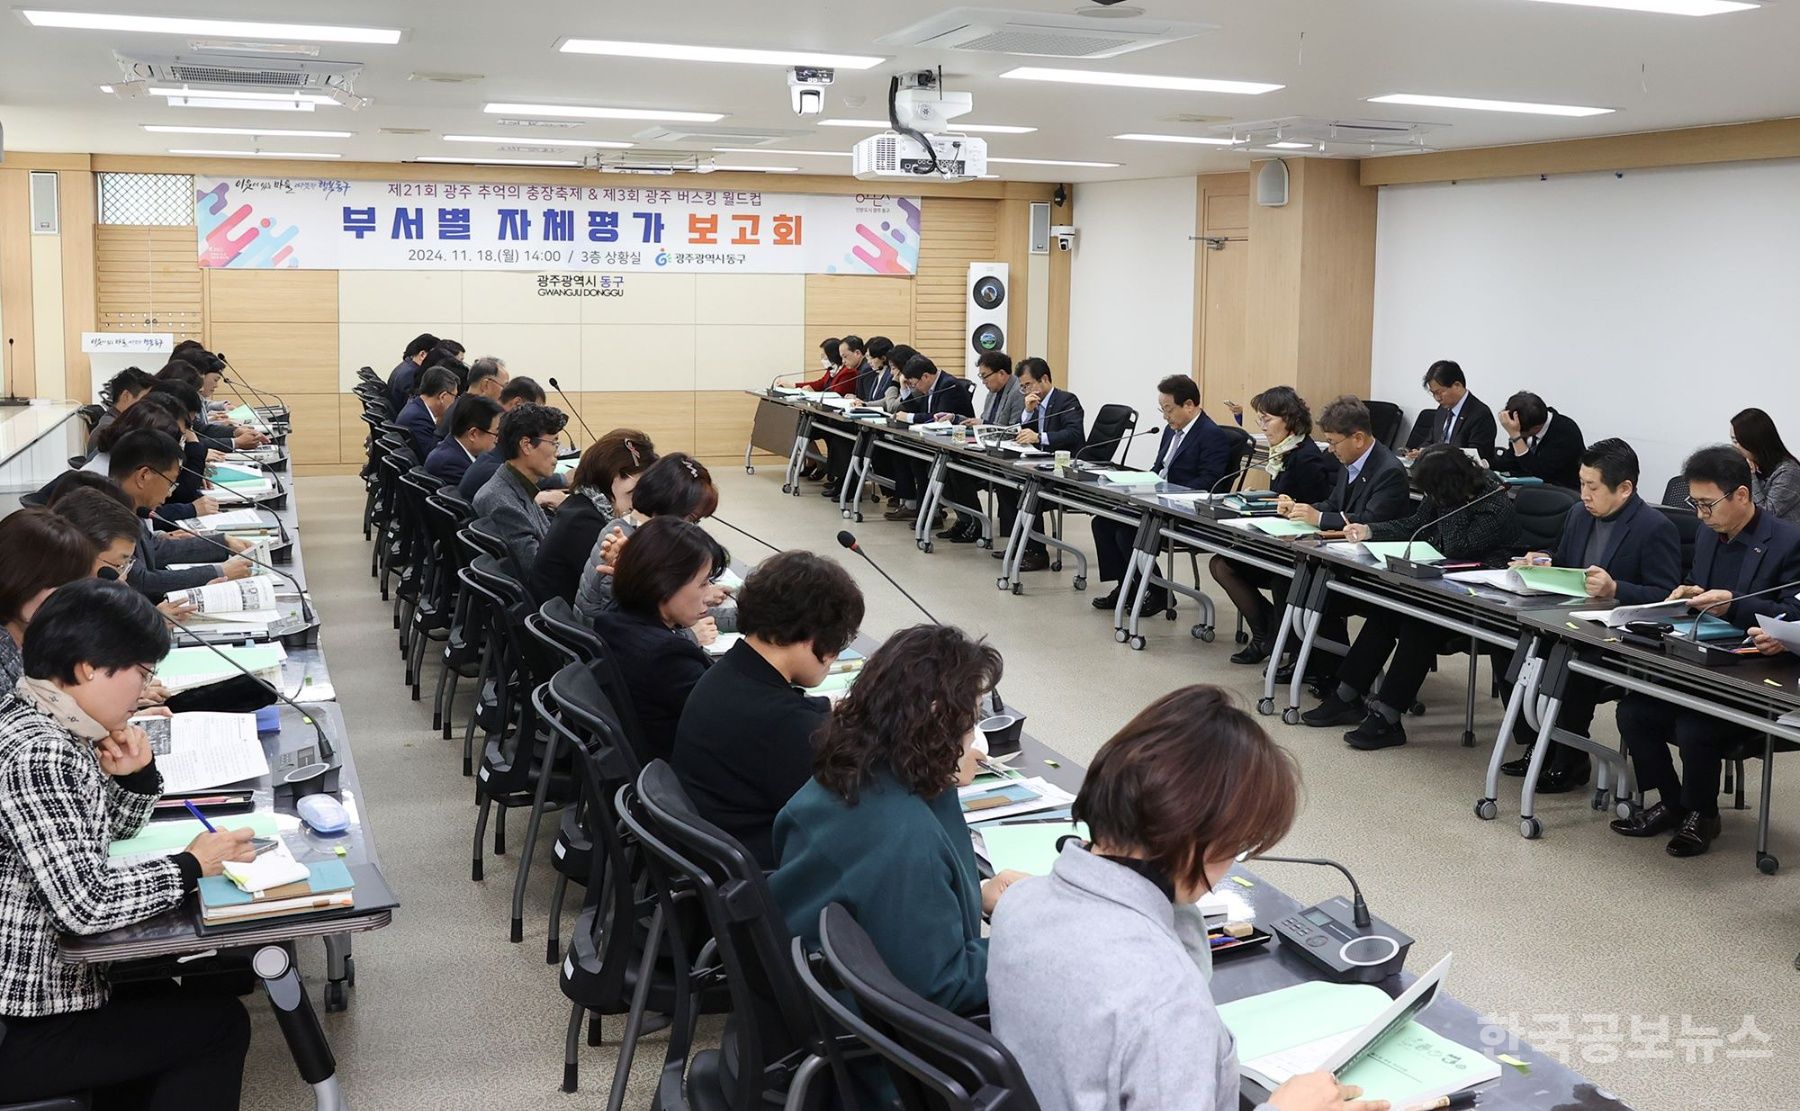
(329, 224)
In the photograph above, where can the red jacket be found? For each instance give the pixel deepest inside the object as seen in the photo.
(839, 380)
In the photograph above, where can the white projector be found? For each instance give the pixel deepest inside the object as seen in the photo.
(893, 155)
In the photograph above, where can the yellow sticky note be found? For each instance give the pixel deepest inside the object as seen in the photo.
(1509, 1059)
(1241, 881)
(341, 851)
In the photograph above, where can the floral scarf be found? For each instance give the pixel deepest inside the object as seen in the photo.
(1279, 453)
(56, 703)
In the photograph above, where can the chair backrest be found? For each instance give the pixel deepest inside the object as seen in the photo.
(775, 1028)
(485, 534)
(575, 635)
(1243, 447)
(1421, 427)
(938, 1060)
(1107, 441)
(90, 415)
(506, 605)
(367, 374)
(1541, 511)
(605, 665)
(1687, 526)
(1385, 419)
(1676, 492)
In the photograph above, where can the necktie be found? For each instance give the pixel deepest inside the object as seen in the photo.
(1168, 459)
(1449, 419)
(992, 405)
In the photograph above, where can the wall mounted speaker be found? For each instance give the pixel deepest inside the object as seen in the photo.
(984, 313)
(44, 218)
(1272, 184)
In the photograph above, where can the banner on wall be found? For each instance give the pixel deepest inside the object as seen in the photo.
(328, 224)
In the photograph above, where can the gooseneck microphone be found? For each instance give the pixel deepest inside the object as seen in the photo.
(326, 751)
(251, 384)
(201, 475)
(742, 532)
(1359, 909)
(1404, 564)
(306, 613)
(573, 409)
(1151, 431)
(848, 540)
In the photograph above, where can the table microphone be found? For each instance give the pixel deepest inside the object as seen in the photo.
(326, 751)
(572, 409)
(1693, 650)
(1404, 564)
(1341, 938)
(848, 540)
(306, 613)
(252, 385)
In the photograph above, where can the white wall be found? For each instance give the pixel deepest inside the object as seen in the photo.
(1131, 296)
(1650, 306)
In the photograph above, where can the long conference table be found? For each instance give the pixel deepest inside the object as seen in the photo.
(176, 942)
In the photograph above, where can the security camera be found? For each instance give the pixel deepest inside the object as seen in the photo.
(1064, 234)
(806, 88)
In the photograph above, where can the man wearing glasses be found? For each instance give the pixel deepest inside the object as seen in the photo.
(146, 464)
(511, 501)
(473, 424)
(1004, 406)
(1741, 550)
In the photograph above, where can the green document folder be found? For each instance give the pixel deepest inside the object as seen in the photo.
(186, 663)
(1028, 847)
(241, 415)
(227, 475)
(1421, 551)
(1281, 526)
(1570, 581)
(1131, 478)
(169, 838)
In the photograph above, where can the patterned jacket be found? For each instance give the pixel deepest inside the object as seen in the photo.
(58, 813)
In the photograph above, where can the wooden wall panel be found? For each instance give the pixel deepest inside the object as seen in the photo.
(288, 358)
(842, 304)
(954, 234)
(258, 296)
(15, 280)
(75, 200)
(722, 426)
(667, 418)
(316, 436)
(1338, 276)
(148, 280)
(1220, 316)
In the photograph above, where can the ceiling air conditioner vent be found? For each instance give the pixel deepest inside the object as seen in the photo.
(250, 73)
(1038, 34)
(683, 135)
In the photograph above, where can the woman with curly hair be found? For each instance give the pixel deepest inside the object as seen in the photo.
(879, 829)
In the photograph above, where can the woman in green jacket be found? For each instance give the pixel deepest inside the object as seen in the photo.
(879, 829)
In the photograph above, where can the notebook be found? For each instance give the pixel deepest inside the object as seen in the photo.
(327, 885)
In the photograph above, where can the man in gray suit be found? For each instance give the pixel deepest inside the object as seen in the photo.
(510, 500)
(1005, 406)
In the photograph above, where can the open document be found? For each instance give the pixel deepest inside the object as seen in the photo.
(251, 599)
(201, 750)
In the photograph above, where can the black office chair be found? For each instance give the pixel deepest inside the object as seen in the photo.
(1541, 512)
(772, 1042)
(1421, 428)
(1676, 492)
(445, 515)
(1109, 439)
(576, 635)
(1687, 525)
(938, 1060)
(1386, 419)
(90, 416)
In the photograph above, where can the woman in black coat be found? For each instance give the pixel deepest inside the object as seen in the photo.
(1296, 467)
(600, 489)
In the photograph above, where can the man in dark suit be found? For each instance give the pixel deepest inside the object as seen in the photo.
(935, 396)
(1004, 406)
(1632, 555)
(744, 744)
(1051, 420)
(1371, 484)
(420, 417)
(405, 375)
(1462, 419)
(1540, 442)
(1741, 551)
(473, 424)
(1195, 452)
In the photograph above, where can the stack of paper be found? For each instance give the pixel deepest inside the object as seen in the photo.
(199, 750)
(234, 520)
(326, 885)
(1131, 478)
(1569, 582)
(186, 668)
(1380, 550)
(1004, 800)
(1281, 526)
(1677, 613)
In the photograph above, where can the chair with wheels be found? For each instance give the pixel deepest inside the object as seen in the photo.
(1387, 420)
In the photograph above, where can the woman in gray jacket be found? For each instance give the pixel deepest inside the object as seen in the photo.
(1774, 475)
(1169, 802)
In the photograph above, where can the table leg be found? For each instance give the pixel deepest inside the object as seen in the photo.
(1016, 543)
(934, 488)
(1524, 693)
(1292, 610)
(1529, 827)
(1127, 582)
(274, 965)
(790, 483)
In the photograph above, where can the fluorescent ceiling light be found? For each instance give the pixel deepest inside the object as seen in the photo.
(759, 169)
(251, 153)
(229, 28)
(1665, 7)
(975, 128)
(241, 105)
(771, 150)
(295, 97)
(1421, 100)
(678, 52)
(1054, 162)
(183, 129)
(590, 112)
(1138, 80)
(501, 161)
(1140, 137)
(1289, 144)
(553, 140)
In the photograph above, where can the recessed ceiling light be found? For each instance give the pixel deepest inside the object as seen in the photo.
(608, 144)
(187, 101)
(1054, 162)
(1422, 100)
(975, 128)
(250, 153)
(1665, 7)
(590, 112)
(758, 169)
(790, 153)
(183, 129)
(1138, 80)
(678, 52)
(1288, 144)
(501, 161)
(1204, 140)
(295, 97)
(231, 28)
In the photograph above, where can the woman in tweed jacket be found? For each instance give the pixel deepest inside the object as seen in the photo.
(1482, 530)
(74, 776)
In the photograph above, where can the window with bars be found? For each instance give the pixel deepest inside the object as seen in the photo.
(157, 200)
